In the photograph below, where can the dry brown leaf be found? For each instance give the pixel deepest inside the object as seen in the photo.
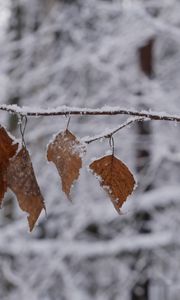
(115, 178)
(22, 181)
(66, 152)
(8, 148)
(3, 186)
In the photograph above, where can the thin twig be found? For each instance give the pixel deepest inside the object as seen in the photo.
(106, 110)
(111, 132)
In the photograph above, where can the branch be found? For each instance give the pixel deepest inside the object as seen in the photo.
(105, 110)
(114, 247)
(109, 132)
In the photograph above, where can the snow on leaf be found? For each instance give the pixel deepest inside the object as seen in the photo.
(22, 181)
(66, 152)
(8, 148)
(116, 179)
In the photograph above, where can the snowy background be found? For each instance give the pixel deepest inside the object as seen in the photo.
(86, 53)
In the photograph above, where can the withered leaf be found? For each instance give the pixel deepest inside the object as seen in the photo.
(66, 152)
(115, 178)
(8, 148)
(22, 181)
(3, 186)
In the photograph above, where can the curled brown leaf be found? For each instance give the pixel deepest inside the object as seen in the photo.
(8, 148)
(22, 181)
(66, 152)
(115, 178)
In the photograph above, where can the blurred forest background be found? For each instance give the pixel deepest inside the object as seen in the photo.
(90, 53)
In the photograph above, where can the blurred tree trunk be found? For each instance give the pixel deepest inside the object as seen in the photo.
(15, 33)
(143, 158)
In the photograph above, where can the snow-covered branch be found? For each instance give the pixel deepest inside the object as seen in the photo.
(105, 110)
(110, 132)
(102, 248)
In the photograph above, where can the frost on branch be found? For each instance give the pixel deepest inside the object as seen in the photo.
(8, 148)
(66, 152)
(115, 178)
(22, 181)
